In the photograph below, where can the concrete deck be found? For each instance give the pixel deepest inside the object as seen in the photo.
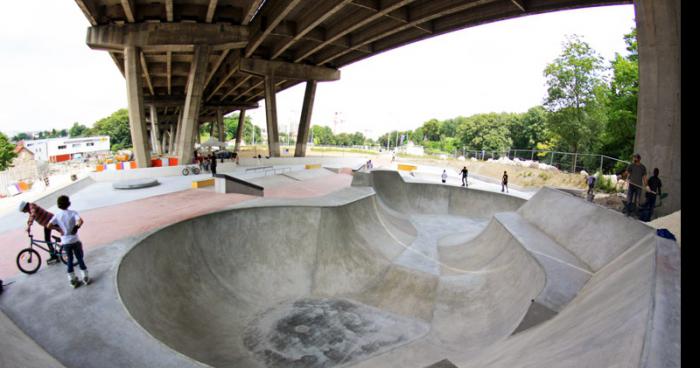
(395, 274)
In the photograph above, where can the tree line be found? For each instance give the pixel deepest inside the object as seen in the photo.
(590, 107)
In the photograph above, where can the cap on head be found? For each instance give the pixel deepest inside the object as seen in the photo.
(22, 206)
(637, 156)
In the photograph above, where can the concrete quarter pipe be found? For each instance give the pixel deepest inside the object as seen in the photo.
(366, 283)
(393, 274)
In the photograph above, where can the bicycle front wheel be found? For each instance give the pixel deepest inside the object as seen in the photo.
(28, 261)
(195, 171)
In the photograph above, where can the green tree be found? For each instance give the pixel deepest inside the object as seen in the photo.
(485, 132)
(7, 152)
(622, 95)
(21, 137)
(574, 87)
(79, 130)
(231, 128)
(528, 129)
(322, 135)
(116, 126)
(431, 129)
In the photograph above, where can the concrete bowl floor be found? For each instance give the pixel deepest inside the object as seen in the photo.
(385, 273)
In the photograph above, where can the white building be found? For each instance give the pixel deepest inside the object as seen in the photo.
(412, 149)
(64, 149)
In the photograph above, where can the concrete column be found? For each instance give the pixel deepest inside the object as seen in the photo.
(164, 142)
(193, 101)
(658, 131)
(220, 124)
(239, 130)
(305, 119)
(171, 138)
(273, 137)
(137, 117)
(155, 131)
(178, 132)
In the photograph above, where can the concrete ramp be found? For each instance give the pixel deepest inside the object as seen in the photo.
(308, 174)
(391, 275)
(19, 350)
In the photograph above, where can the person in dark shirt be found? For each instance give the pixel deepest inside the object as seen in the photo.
(504, 182)
(212, 164)
(464, 172)
(653, 192)
(637, 180)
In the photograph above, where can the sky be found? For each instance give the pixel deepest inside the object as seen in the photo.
(49, 78)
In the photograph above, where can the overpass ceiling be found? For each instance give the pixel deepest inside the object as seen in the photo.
(327, 33)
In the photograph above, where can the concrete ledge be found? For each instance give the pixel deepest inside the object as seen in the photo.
(202, 183)
(228, 184)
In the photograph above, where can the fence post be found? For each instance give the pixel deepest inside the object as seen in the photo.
(574, 167)
(601, 164)
(551, 159)
(532, 157)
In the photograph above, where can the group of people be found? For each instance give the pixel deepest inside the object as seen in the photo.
(66, 222)
(465, 181)
(637, 184)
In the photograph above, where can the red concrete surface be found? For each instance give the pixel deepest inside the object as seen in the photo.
(107, 224)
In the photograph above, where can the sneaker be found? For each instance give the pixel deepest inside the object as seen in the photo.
(75, 283)
(86, 280)
(52, 260)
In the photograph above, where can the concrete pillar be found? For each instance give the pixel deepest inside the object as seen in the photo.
(190, 115)
(220, 124)
(239, 130)
(164, 142)
(658, 131)
(305, 119)
(171, 138)
(155, 131)
(178, 132)
(137, 117)
(273, 137)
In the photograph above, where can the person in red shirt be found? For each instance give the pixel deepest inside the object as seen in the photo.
(42, 217)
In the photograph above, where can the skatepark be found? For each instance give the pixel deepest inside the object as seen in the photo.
(379, 269)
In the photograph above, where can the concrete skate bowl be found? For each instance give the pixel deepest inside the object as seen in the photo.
(314, 285)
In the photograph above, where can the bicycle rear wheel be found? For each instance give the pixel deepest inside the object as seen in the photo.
(185, 171)
(28, 261)
(63, 256)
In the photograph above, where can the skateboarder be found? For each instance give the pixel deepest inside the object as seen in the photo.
(504, 182)
(69, 222)
(444, 176)
(465, 172)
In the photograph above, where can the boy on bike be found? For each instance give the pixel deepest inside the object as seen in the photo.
(42, 217)
(69, 221)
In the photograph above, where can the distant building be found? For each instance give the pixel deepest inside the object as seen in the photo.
(412, 149)
(64, 149)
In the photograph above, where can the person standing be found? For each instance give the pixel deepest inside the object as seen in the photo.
(212, 164)
(504, 182)
(637, 180)
(42, 217)
(465, 172)
(591, 185)
(653, 192)
(444, 176)
(69, 222)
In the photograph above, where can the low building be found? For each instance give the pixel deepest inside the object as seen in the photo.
(412, 149)
(64, 149)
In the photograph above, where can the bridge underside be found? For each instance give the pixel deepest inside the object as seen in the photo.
(192, 61)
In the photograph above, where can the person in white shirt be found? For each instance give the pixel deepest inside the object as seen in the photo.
(444, 176)
(69, 222)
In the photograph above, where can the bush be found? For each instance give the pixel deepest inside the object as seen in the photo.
(604, 184)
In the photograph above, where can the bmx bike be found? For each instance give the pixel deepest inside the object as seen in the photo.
(29, 260)
(190, 169)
